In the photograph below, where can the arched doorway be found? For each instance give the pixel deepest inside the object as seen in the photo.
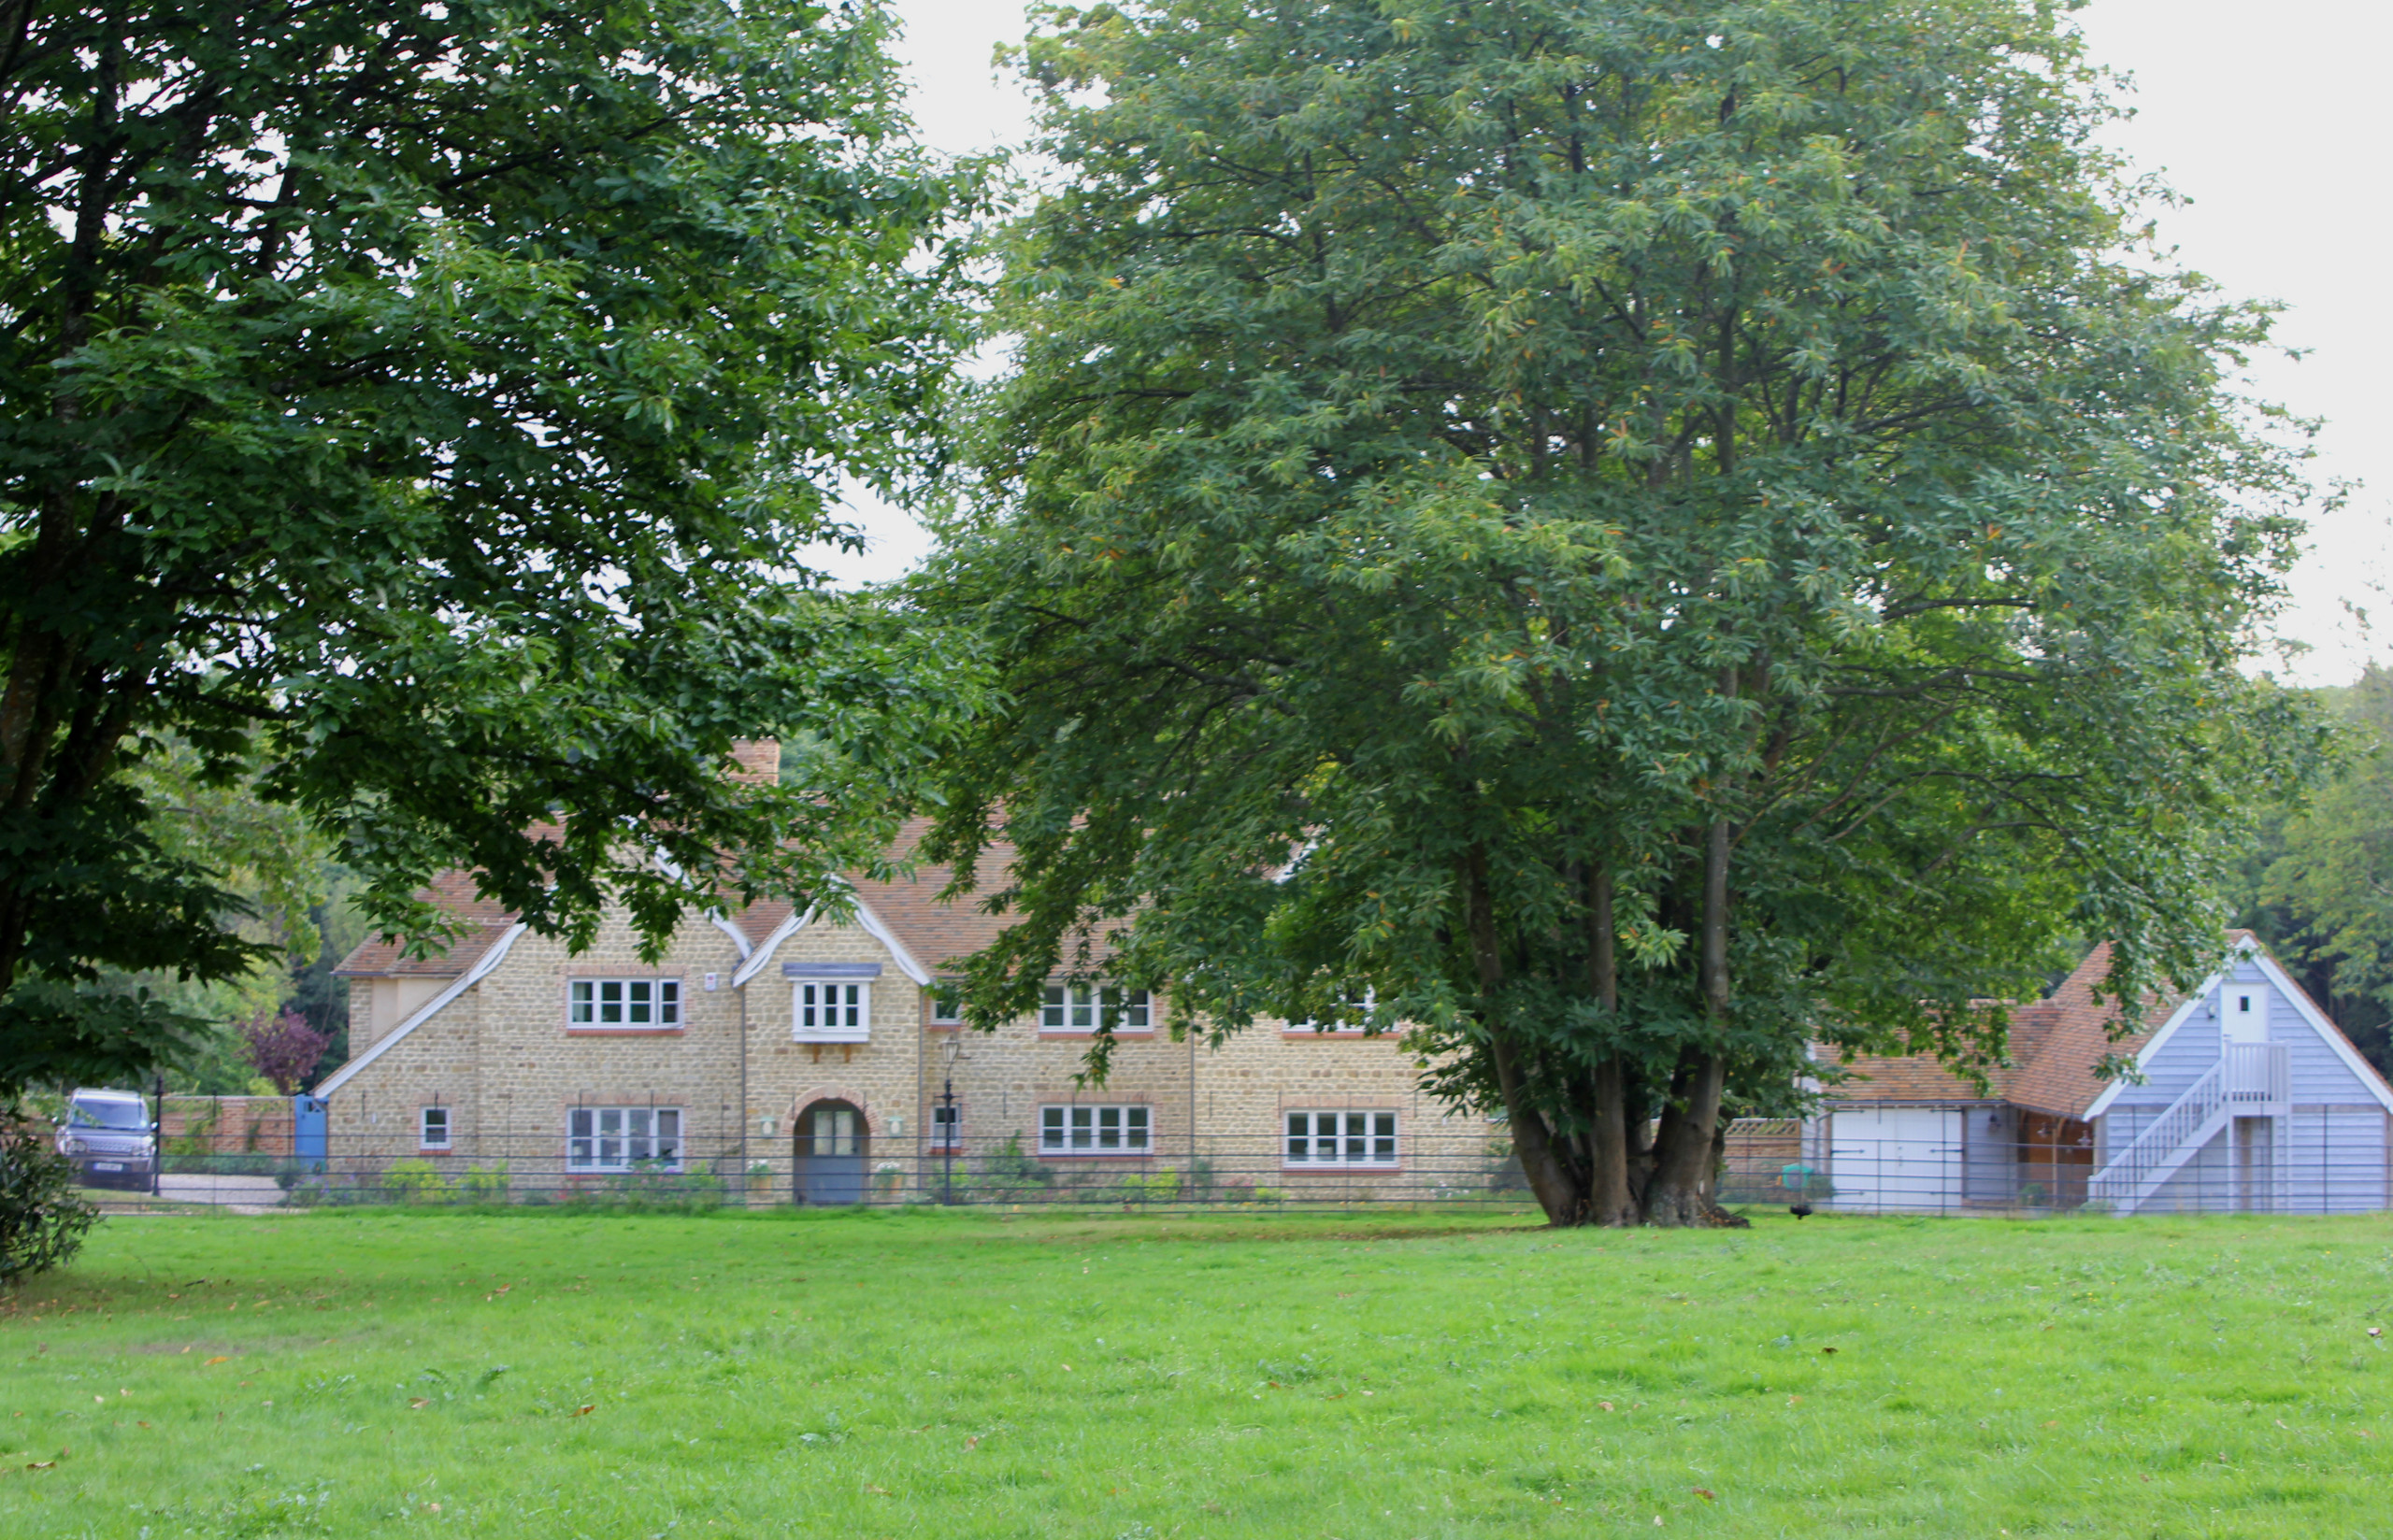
(831, 1154)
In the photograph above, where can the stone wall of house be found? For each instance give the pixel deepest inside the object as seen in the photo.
(507, 1067)
(505, 1063)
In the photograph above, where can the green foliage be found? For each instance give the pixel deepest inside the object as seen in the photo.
(2319, 886)
(429, 408)
(484, 1186)
(417, 1181)
(1009, 1169)
(1643, 536)
(43, 1214)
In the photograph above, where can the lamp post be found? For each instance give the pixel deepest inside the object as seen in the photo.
(949, 1127)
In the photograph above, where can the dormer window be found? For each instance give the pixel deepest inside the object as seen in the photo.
(2243, 1004)
(831, 1001)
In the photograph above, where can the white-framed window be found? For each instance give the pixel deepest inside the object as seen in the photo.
(1341, 1138)
(1354, 1013)
(622, 1138)
(1079, 1007)
(1085, 1129)
(432, 1128)
(947, 1127)
(947, 1003)
(834, 1008)
(627, 1004)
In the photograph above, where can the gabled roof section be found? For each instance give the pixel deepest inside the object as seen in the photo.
(2056, 1044)
(938, 934)
(2060, 1077)
(2248, 946)
(490, 958)
(487, 922)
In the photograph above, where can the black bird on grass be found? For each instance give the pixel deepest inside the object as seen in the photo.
(1801, 1210)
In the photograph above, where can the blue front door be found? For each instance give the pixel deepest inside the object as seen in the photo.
(830, 1154)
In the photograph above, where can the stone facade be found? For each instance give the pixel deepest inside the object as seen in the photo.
(494, 1050)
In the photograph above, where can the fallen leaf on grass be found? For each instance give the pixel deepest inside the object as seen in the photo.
(1603, 1405)
(41, 1466)
(417, 1403)
(585, 1411)
(221, 1358)
(974, 1442)
(1827, 1352)
(141, 1424)
(1706, 1493)
(878, 1491)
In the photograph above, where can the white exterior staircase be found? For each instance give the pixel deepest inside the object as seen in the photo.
(2250, 1080)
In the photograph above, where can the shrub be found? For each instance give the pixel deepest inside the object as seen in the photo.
(1008, 1170)
(417, 1181)
(43, 1216)
(485, 1187)
(1161, 1186)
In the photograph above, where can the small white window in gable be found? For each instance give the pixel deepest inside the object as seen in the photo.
(432, 1132)
(2243, 1003)
(831, 1001)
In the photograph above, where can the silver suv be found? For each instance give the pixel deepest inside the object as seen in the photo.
(109, 1137)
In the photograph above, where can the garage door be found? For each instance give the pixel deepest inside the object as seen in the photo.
(1895, 1159)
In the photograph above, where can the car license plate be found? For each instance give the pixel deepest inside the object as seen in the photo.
(108, 1165)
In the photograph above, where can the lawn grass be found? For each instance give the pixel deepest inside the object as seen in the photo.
(955, 1375)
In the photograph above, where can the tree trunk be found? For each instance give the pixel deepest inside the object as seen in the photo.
(1550, 1176)
(1682, 1155)
(1611, 1200)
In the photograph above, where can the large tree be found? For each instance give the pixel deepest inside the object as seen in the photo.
(2317, 884)
(429, 407)
(1634, 536)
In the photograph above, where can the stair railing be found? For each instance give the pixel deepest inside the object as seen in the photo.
(2121, 1181)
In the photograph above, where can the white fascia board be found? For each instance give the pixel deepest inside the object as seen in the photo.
(430, 1009)
(2326, 1029)
(738, 936)
(765, 949)
(2178, 1018)
(868, 921)
(874, 927)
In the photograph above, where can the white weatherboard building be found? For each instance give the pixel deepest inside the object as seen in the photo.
(2251, 1101)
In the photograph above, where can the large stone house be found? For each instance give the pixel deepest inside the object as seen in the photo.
(801, 1060)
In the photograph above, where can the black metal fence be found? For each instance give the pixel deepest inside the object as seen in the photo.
(1007, 1173)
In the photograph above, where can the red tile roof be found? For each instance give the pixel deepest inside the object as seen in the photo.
(487, 919)
(938, 933)
(2056, 1044)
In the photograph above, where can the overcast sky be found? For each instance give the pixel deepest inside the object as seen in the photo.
(2264, 117)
